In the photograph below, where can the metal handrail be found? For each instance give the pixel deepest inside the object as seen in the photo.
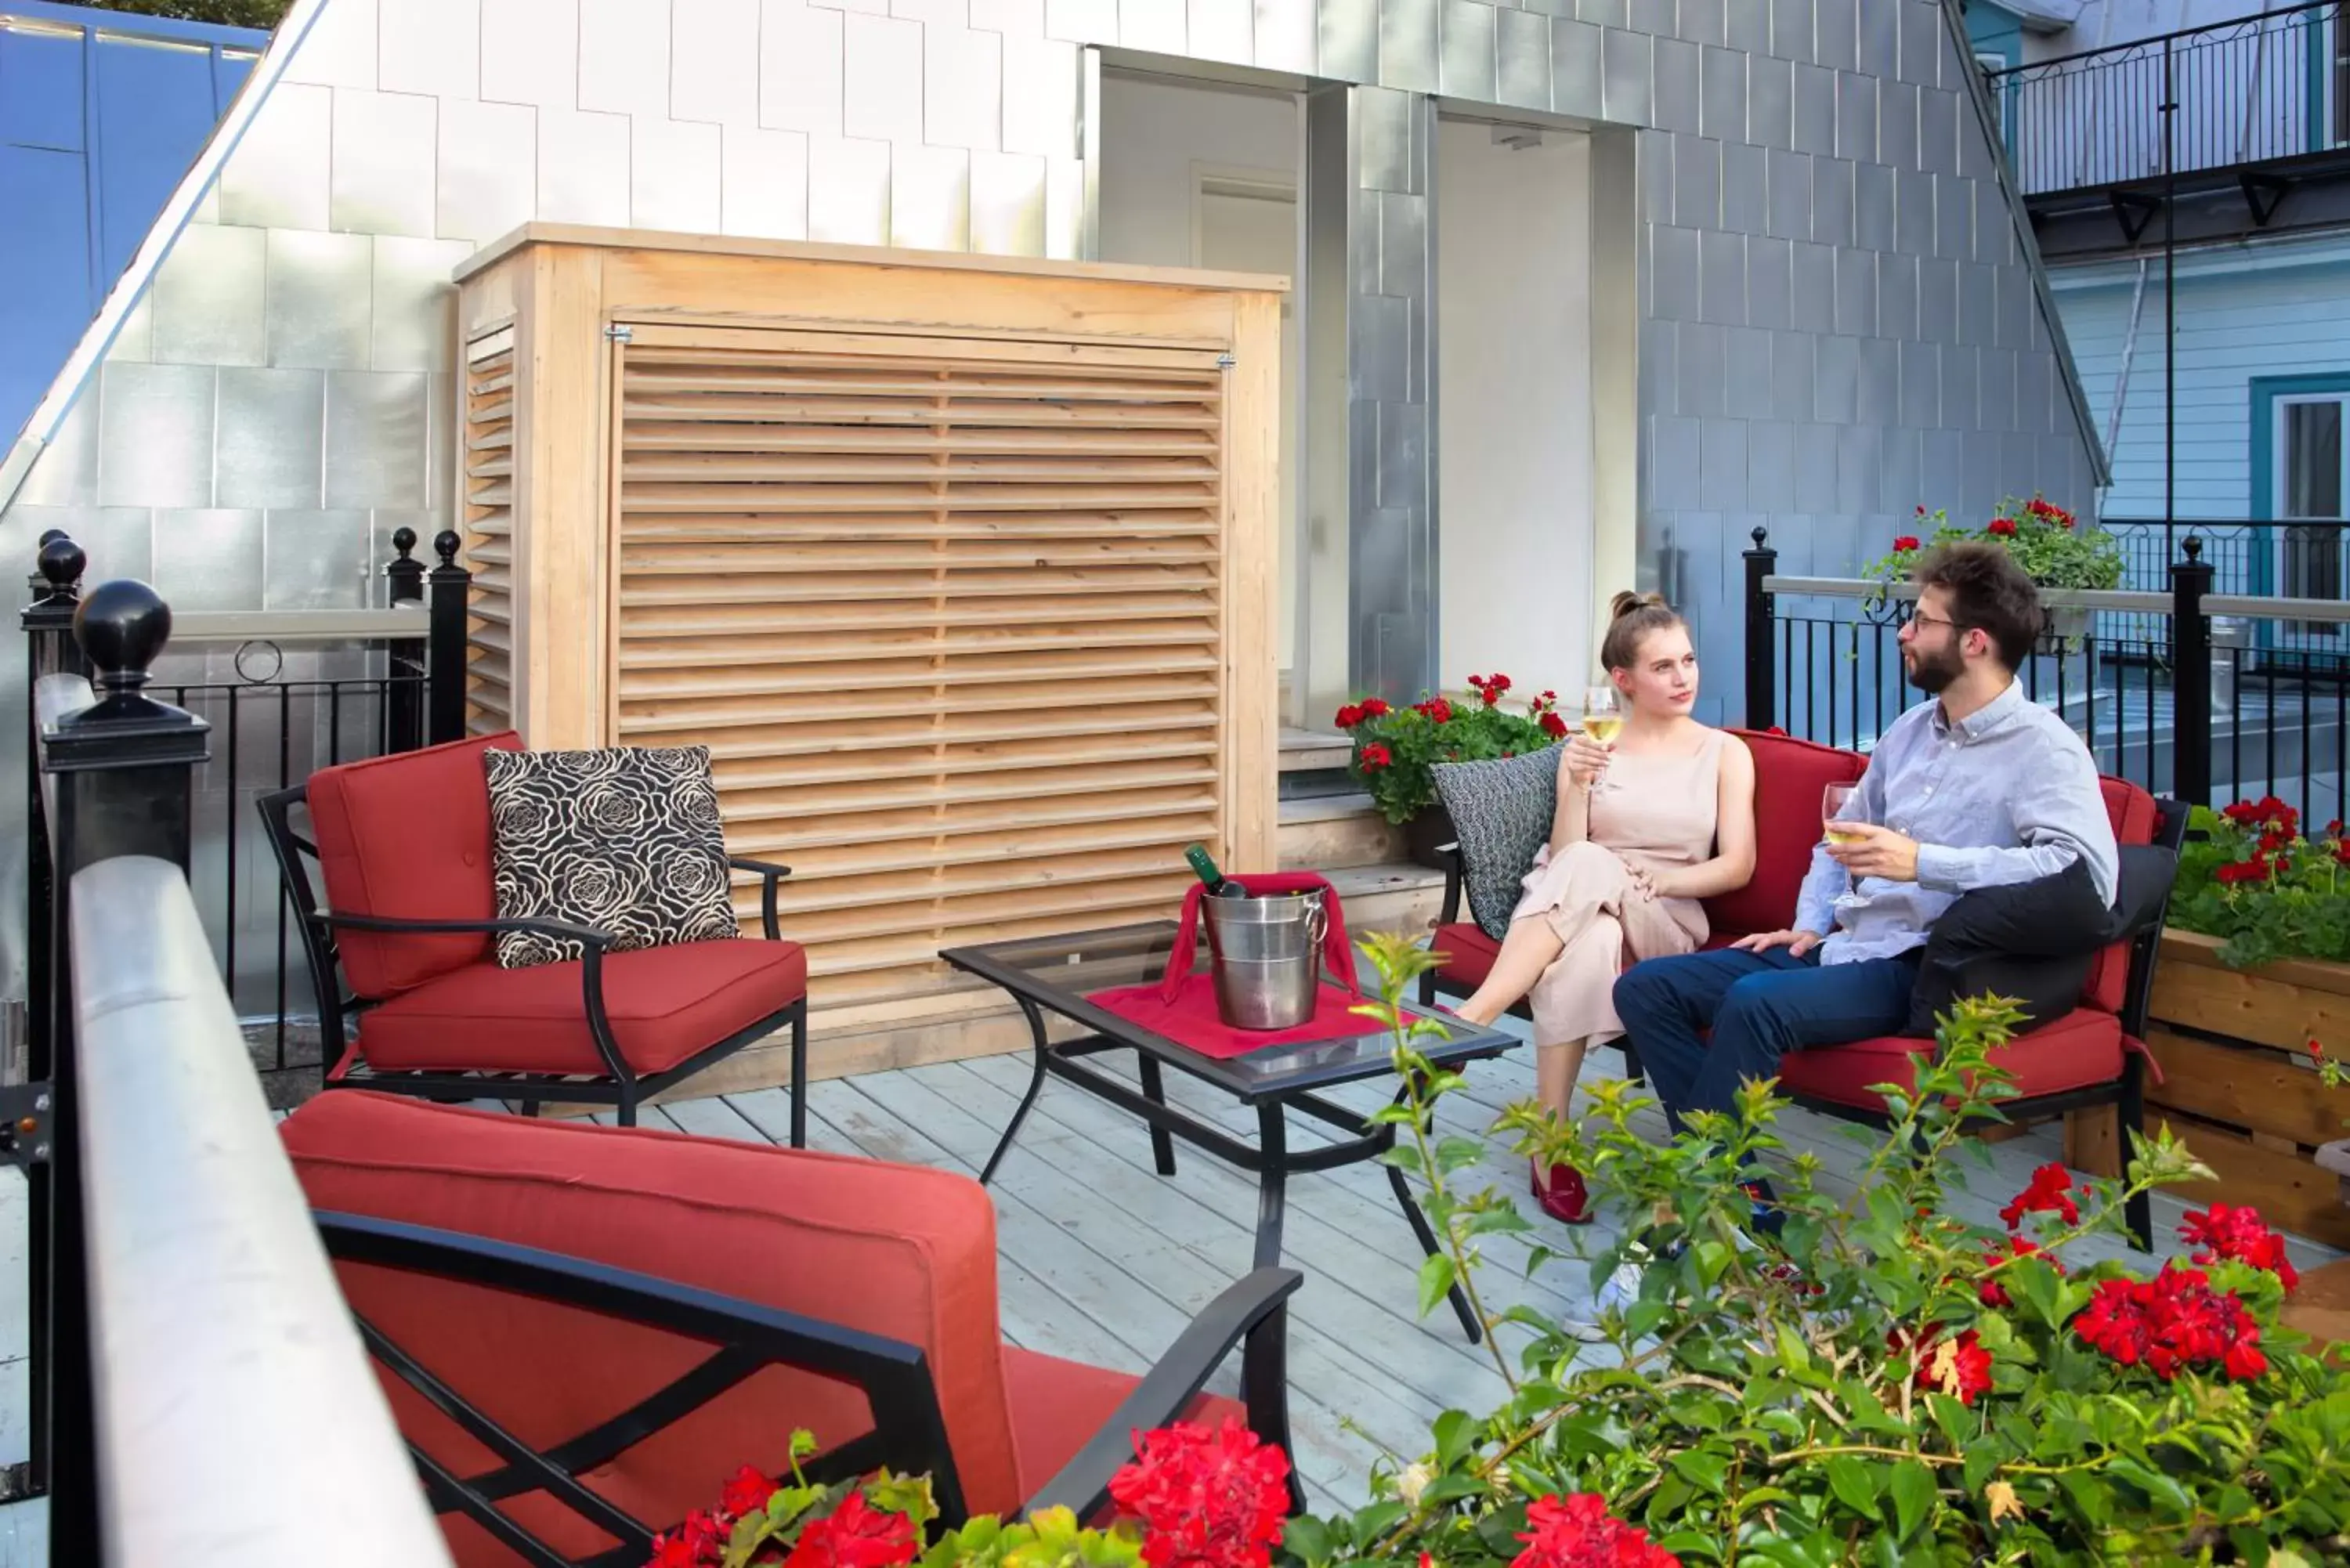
(2121, 600)
(2257, 21)
(232, 1391)
(408, 622)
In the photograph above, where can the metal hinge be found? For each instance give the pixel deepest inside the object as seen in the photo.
(24, 1118)
(620, 332)
(1225, 361)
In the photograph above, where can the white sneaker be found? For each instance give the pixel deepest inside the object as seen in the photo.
(1621, 1289)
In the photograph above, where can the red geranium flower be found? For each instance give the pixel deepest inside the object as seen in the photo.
(2002, 527)
(1906, 542)
(1990, 1291)
(2256, 870)
(2226, 1231)
(1554, 726)
(855, 1535)
(1578, 1533)
(1375, 707)
(1349, 716)
(1375, 756)
(1206, 1499)
(2175, 1322)
(1436, 709)
(698, 1542)
(2049, 1193)
(747, 1493)
(1959, 1367)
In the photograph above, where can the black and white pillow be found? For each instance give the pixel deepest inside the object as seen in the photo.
(1502, 813)
(626, 840)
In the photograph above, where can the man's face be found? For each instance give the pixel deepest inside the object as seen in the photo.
(1932, 655)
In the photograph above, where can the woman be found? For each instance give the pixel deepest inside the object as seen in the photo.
(1620, 878)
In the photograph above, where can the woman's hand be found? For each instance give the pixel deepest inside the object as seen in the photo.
(1585, 760)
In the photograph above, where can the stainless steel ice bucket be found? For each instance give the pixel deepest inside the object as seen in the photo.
(1266, 955)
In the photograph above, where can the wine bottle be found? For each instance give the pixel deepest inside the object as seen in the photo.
(1219, 885)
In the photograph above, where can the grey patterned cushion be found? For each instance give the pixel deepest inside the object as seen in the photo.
(625, 840)
(1502, 814)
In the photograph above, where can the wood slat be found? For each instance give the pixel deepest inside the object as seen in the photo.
(951, 624)
(487, 529)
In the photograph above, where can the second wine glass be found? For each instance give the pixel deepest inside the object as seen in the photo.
(1841, 802)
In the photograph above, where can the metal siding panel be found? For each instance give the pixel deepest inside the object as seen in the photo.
(1943, 469)
(1723, 89)
(1880, 379)
(1835, 36)
(1153, 27)
(155, 435)
(1748, 26)
(1040, 98)
(1938, 129)
(1466, 41)
(1923, 36)
(1702, 22)
(1880, 38)
(1081, 21)
(1792, 369)
(433, 47)
(1897, 125)
(208, 559)
(1722, 259)
(1836, 380)
(1814, 109)
(1921, 385)
(1815, 468)
(1814, 287)
(1857, 468)
(1659, 364)
(40, 91)
(963, 87)
(1896, 296)
(341, 48)
(1745, 189)
(674, 173)
(66, 473)
(209, 299)
(624, 55)
(1522, 46)
(930, 198)
(1722, 465)
(1938, 300)
(1578, 68)
(1897, 487)
(1403, 244)
(1696, 182)
(1407, 45)
(383, 181)
(1672, 270)
(1954, 216)
(1913, 212)
(487, 184)
(583, 168)
(316, 559)
(415, 313)
(1065, 208)
(1833, 180)
(1855, 117)
(1770, 101)
(1346, 35)
(763, 182)
(1007, 204)
(530, 53)
(1770, 465)
(1383, 126)
(1961, 384)
(268, 450)
(1675, 446)
(278, 178)
(1627, 87)
(1703, 360)
(375, 439)
(1748, 388)
(1679, 96)
(1856, 288)
(1285, 35)
(1791, 195)
(713, 65)
(317, 300)
(882, 98)
(801, 63)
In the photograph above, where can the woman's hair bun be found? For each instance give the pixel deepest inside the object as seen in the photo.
(1628, 603)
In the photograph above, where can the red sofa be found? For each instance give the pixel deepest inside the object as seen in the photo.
(2092, 1056)
(529, 1288)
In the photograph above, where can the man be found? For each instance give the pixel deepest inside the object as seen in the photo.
(1978, 787)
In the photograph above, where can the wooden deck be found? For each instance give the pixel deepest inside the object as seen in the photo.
(1104, 1260)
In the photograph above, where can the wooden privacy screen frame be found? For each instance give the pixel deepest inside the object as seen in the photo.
(961, 566)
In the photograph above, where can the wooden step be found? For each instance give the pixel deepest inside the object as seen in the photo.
(1395, 896)
(1325, 832)
(1313, 750)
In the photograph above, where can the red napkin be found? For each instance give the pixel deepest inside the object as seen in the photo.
(1337, 956)
(1189, 1017)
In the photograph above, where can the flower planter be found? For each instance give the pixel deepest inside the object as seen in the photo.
(2238, 1084)
(1423, 835)
(2067, 626)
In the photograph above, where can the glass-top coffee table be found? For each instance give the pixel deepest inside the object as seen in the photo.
(1056, 974)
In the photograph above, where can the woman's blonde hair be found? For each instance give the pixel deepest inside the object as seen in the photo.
(1630, 619)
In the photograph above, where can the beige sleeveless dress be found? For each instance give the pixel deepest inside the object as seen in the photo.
(1657, 813)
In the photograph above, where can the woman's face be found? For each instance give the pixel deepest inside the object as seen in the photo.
(1662, 677)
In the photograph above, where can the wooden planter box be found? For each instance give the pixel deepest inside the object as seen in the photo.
(2239, 1088)
(961, 566)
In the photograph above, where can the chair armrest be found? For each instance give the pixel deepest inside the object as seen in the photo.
(561, 930)
(1451, 855)
(1243, 1309)
(770, 874)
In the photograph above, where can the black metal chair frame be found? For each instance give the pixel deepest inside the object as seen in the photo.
(909, 1434)
(2126, 1094)
(624, 1089)
(1436, 982)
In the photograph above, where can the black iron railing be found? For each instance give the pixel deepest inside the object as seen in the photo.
(2207, 705)
(2248, 557)
(2255, 91)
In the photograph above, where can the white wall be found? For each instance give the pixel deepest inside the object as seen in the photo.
(1153, 132)
(1513, 409)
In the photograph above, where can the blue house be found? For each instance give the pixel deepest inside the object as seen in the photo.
(100, 113)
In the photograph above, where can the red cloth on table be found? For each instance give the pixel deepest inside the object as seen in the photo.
(1337, 957)
(1190, 1017)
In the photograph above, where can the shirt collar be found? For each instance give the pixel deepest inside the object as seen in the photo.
(1983, 720)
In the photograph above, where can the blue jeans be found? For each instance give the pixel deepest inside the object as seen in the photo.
(1759, 1006)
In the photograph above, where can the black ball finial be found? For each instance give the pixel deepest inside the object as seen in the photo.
(49, 535)
(61, 562)
(122, 626)
(1759, 535)
(2194, 548)
(445, 545)
(404, 539)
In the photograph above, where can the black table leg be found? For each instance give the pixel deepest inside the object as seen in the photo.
(1154, 1088)
(1272, 1182)
(1036, 1082)
(1419, 1228)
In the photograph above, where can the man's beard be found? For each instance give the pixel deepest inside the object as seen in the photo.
(1932, 673)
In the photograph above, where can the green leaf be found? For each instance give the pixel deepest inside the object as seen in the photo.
(1307, 1537)
(1376, 1521)
(1913, 1496)
(2157, 1486)
(1792, 1348)
(1856, 1483)
(1702, 1468)
(1456, 1433)
(1437, 1276)
(1457, 1153)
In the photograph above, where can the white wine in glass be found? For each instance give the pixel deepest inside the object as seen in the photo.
(1602, 720)
(1841, 802)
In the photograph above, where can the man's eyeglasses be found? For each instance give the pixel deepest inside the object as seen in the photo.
(1911, 613)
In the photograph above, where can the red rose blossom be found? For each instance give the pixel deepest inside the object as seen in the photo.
(2002, 527)
(2237, 1232)
(2175, 1322)
(1906, 542)
(1376, 755)
(1207, 1499)
(855, 1535)
(1577, 1532)
(2049, 1193)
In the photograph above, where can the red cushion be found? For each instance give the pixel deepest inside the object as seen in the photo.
(898, 1251)
(1467, 952)
(664, 1003)
(407, 837)
(1790, 776)
(2133, 813)
(1058, 1405)
(2080, 1049)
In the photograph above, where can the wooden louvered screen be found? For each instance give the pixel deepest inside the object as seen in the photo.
(949, 613)
(488, 529)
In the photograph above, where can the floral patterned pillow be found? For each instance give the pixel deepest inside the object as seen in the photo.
(1502, 813)
(626, 840)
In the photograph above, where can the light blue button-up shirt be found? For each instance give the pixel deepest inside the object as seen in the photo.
(2007, 794)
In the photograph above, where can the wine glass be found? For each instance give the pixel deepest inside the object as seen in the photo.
(1841, 803)
(1602, 719)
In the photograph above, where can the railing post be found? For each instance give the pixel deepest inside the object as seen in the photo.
(2190, 677)
(48, 624)
(403, 701)
(123, 769)
(1761, 606)
(451, 592)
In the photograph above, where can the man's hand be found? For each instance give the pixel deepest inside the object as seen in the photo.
(1796, 943)
(1868, 850)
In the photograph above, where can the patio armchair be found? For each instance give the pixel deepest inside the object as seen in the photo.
(412, 1001)
(584, 1331)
